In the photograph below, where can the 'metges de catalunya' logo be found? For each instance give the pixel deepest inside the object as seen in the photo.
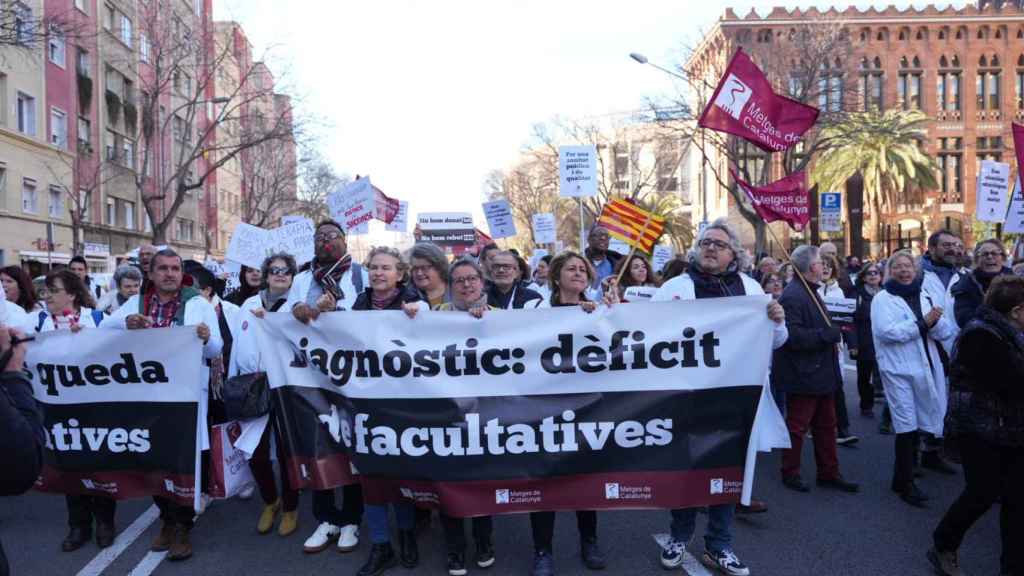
(733, 96)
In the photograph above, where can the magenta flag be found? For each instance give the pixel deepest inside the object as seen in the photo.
(745, 105)
(784, 199)
(1018, 144)
(385, 208)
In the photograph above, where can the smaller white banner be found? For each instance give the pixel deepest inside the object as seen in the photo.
(293, 218)
(662, 254)
(577, 171)
(993, 184)
(1015, 218)
(499, 219)
(401, 221)
(640, 293)
(544, 228)
(353, 204)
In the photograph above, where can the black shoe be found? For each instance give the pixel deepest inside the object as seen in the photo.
(839, 484)
(456, 564)
(382, 557)
(844, 438)
(105, 534)
(913, 495)
(408, 553)
(484, 554)
(77, 537)
(593, 557)
(543, 564)
(795, 483)
(933, 461)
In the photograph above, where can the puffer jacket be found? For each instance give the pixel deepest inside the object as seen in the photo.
(987, 381)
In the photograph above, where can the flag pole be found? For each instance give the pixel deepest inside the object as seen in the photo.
(800, 276)
(579, 199)
(632, 249)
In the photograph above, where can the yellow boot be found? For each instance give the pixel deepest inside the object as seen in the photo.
(289, 522)
(267, 517)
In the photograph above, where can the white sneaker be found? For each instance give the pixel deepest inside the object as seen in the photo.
(324, 535)
(247, 492)
(204, 502)
(349, 538)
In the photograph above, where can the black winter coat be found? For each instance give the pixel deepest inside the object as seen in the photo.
(365, 300)
(968, 294)
(862, 323)
(21, 434)
(808, 363)
(987, 381)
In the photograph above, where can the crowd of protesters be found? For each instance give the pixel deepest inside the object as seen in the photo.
(939, 338)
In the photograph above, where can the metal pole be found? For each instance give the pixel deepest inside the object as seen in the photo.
(703, 178)
(583, 240)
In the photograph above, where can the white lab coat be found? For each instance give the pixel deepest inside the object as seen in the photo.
(915, 391)
(85, 320)
(304, 282)
(943, 296)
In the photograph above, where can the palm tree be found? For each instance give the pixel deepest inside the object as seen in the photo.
(885, 149)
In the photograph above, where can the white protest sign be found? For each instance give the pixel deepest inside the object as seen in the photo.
(640, 293)
(401, 221)
(360, 229)
(538, 253)
(993, 183)
(353, 204)
(247, 245)
(616, 245)
(830, 212)
(577, 171)
(662, 254)
(295, 239)
(840, 310)
(499, 219)
(559, 246)
(1015, 219)
(544, 228)
(293, 218)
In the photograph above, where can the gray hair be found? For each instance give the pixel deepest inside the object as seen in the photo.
(431, 253)
(902, 254)
(127, 272)
(402, 266)
(739, 255)
(461, 263)
(803, 256)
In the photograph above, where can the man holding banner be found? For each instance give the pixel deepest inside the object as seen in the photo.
(168, 303)
(714, 273)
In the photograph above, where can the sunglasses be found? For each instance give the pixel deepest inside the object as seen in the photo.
(279, 271)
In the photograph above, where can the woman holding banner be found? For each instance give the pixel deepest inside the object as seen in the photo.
(908, 329)
(278, 271)
(466, 285)
(429, 271)
(635, 271)
(68, 298)
(570, 276)
(387, 291)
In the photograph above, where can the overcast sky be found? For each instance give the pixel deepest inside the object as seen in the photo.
(427, 97)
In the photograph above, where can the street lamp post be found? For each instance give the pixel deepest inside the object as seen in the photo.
(641, 59)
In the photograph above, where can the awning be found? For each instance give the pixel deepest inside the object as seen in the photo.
(55, 257)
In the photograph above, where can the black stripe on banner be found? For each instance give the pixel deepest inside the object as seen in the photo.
(138, 436)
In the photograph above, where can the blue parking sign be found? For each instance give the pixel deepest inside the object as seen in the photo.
(831, 201)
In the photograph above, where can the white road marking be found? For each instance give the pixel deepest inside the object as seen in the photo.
(149, 563)
(691, 565)
(106, 557)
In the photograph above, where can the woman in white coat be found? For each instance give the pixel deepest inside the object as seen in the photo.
(908, 326)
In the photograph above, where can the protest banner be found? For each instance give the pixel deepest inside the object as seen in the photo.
(247, 246)
(744, 104)
(120, 409)
(639, 293)
(447, 229)
(400, 223)
(499, 219)
(352, 204)
(543, 228)
(600, 410)
(662, 255)
(295, 239)
(840, 310)
(229, 468)
(785, 199)
(1015, 216)
(577, 171)
(993, 185)
(293, 218)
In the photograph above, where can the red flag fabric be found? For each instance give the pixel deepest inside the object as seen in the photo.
(745, 105)
(1018, 144)
(784, 199)
(386, 208)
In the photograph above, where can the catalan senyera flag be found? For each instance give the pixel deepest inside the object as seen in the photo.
(632, 224)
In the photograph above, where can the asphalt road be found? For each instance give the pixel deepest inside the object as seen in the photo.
(820, 533)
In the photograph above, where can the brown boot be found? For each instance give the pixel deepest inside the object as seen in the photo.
(182, 546)
(164, 539)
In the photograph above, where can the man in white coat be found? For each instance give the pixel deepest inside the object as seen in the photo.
(714, 272)
(332, 283)
(167, 303)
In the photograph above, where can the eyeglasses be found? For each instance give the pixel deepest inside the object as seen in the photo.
(466, 280)
(948, 244)
(502, 267)
(279, 271)
(716, 244)
(872, 273)
(991, 254)
(327, 236)
(421, 269)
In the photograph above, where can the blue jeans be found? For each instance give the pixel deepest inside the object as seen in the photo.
(380, 525)
(718, 536)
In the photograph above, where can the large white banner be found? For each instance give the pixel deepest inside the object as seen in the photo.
(124, 411)
(641, 382)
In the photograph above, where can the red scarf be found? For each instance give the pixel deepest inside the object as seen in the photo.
(329, 277)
